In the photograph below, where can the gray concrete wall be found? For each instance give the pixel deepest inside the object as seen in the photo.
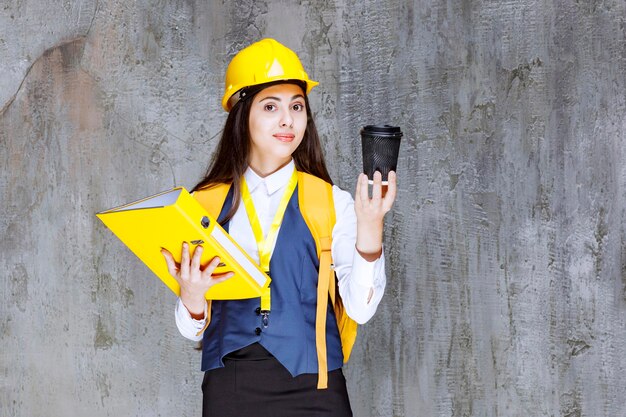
(506, 249)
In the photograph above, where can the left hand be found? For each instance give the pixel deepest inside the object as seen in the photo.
(370, 213)
(194, 279)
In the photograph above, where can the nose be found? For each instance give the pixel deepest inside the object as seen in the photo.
(286, 119)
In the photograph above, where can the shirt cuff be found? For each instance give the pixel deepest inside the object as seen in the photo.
(365, 273)
(187, 325)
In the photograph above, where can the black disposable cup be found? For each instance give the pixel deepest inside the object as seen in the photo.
(380, 145)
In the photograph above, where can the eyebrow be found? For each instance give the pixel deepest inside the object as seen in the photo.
(278, 99)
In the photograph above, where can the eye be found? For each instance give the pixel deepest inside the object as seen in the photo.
(298, 107)
(269, 107)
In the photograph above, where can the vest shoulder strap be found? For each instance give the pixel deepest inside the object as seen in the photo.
(317, 206)
(315, 197)
(212, 198)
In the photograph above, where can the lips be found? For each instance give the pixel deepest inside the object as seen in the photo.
(285, 137)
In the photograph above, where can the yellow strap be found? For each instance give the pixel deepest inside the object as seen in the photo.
(317, 208)
(266, 299)
(265, 245)
(320, 320)
(212, 198)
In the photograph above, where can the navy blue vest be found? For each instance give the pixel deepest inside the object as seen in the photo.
(290, 336)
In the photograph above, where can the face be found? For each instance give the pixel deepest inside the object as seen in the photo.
(277, 123)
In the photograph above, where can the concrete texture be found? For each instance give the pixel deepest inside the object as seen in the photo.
(506, 248)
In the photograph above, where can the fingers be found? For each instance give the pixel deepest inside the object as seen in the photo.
(357, 192)
(362, 192)
(192, 277)
(390, 196)
(184, 261)
(362, 188)
(171, 264)
(217, 278)
(184, 269)
(378, 185)
(195, 259)
(384, 195)
(372, 210)
(210, 267)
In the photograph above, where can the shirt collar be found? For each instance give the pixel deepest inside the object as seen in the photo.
(273, 182)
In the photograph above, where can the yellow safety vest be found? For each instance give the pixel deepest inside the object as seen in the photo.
(315, 197)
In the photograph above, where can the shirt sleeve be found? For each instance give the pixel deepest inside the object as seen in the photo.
(188, 326)
(361, 283)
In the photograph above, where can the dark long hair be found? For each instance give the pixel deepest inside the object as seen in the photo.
(230, 160)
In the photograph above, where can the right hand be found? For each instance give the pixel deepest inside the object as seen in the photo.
(194, 279)
(370, 213)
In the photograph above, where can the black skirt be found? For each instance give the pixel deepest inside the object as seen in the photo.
(253, 383)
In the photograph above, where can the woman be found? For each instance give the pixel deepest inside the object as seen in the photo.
(259, 363)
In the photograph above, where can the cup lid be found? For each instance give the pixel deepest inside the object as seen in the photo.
(383, 130)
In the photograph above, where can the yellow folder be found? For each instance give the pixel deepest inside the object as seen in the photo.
(168, 219)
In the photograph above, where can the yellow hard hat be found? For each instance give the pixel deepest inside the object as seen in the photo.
(262, 62)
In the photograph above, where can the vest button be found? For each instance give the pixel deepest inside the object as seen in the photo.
(258, 311)
(257, 331)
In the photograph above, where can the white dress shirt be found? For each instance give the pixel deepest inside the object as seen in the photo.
(357, 277)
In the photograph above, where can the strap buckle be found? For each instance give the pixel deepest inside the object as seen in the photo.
(265, 318)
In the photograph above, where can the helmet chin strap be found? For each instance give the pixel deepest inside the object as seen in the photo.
(238, 96)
